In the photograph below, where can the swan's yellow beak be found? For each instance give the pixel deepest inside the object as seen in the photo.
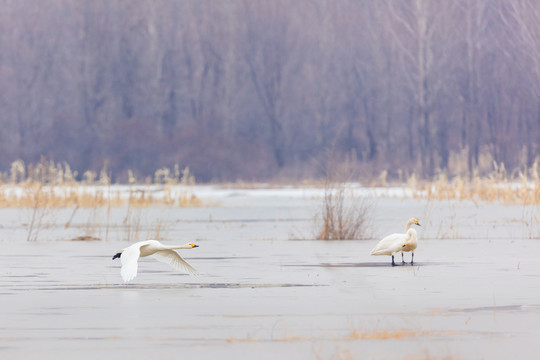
(404, 245)
(193, 245)
(417, 223)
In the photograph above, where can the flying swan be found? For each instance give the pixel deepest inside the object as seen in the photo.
(395, 243)
(130, 256)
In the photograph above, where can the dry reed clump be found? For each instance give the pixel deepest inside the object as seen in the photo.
(56, 196)
(189, 200)
(520, 187)
(342, 216)
(55, 185)
(340, 219)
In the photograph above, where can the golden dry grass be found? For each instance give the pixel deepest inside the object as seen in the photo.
(54, 185)
(519, 187)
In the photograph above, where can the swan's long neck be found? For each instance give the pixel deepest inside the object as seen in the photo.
(172, 247)
(409, 223)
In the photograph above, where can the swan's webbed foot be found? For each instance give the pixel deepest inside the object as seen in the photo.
(402, 260)
(412, 258)
(393, 263)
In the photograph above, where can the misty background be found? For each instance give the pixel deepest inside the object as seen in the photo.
(266, 89)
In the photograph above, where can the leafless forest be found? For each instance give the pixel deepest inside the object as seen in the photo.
(265, 89)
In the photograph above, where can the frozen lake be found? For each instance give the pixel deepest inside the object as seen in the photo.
(473, 293)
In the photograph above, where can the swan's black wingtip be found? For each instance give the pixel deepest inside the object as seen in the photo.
(116, 256)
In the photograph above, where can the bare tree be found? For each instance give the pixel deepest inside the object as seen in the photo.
(261, 89)
(268, 52)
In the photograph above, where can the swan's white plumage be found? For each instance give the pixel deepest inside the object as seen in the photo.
(399, 242)
(129, 257)
(394, 243)
(174, 260)
(130, 260)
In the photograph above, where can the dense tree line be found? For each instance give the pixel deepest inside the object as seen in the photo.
(258, 89)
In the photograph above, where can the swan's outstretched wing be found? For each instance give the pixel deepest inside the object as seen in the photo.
(390, 245)
(172, 258)
(129, 259)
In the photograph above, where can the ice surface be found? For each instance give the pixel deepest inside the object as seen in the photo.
(473, 293)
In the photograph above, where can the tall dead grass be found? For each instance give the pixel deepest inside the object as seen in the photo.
(55, 185)
(519, 187)
(342, 217)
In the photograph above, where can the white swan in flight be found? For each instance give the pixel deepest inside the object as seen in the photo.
(130, 256)
(395, 243)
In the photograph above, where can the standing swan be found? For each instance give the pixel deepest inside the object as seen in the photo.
(130, 255)
(398, 243)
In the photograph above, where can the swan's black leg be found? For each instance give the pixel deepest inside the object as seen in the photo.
(402, 260)
(393, 263)
(412, 258)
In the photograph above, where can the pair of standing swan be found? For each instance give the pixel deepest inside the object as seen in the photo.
(395, 243)
(129, 256)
